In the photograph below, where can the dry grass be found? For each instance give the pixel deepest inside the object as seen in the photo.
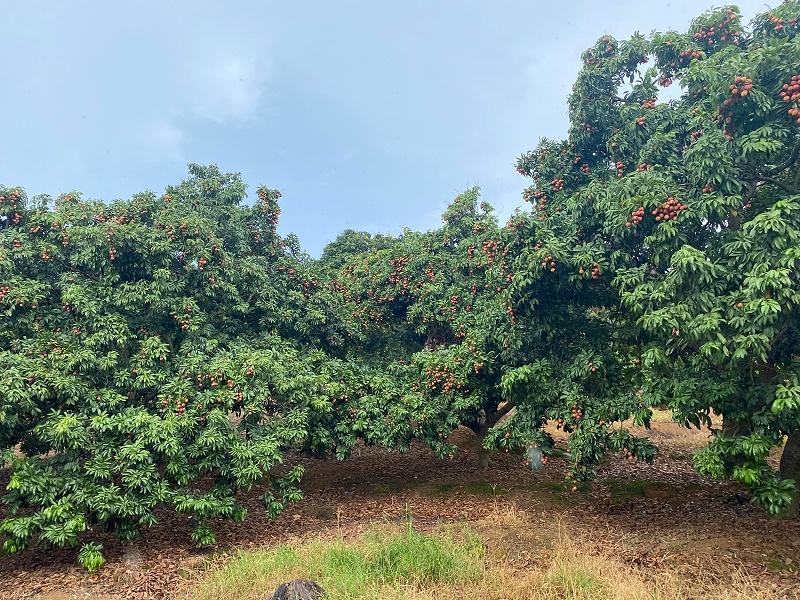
(518, 557)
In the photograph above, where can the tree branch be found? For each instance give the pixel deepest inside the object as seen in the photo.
(492, 420)
(780, 168)
(774, 181)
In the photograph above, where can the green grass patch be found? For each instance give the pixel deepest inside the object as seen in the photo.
(571, 581)
(559, 493)
(442, 488)
(380, 560)
(624, 491)
(483, 487)
(388, 488)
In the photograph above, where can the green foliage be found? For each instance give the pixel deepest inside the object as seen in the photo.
(153, 352)
(691, 208)
(166, 351)
(91, 557)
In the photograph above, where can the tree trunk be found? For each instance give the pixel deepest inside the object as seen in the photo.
(790, 469)
(483, 453)
(480, 428)
(483, 457)
(731, 427)
(790, 459)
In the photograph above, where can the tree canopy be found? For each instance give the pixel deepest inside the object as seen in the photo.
(168, 350)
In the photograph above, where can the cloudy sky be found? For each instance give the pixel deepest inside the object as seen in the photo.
(368, 115)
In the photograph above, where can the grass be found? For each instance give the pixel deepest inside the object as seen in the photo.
(383, 563)
(399, 562)
(483, 488)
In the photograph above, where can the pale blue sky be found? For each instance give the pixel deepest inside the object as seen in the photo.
(368, 115)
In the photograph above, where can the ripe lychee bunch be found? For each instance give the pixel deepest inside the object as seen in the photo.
(741, 86)
(669, 210)
(636, 217)
(651, 103)
(777, 24)
(739, 89)
(643, 167)
(558, 185)
(577, 413)
(688, 55)
(8, 206)
(527, 163)
(595, 271)
(549, 260)
(714, 34)
(620, 166)
(709, 189)
(790, 92)
(540, 197)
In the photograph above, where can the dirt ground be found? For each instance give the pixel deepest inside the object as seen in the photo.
(660, 517)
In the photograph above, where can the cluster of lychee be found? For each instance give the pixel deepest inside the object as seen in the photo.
(689, 55)
(669, 209)
(541, 199)
(561, 424)
(740, 88)
(697, 94)
(595, 271)
(651, 103)
(11, 202)
(719, 32)
(549, 260)
(643, 167)
(636, 217)
(577, 413)
(180, 407)
(778, 24)
(791, 93)
(558, 185)
(620, 168)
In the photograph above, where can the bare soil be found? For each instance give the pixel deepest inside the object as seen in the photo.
(661, 518)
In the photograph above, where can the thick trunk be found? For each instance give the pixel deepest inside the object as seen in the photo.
(731, 427)
(790, 469)
(790, 459)
(480, 429)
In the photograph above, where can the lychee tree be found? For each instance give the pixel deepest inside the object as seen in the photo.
(441, 302)
(161, 351)
(690, 208)
(414, 308)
